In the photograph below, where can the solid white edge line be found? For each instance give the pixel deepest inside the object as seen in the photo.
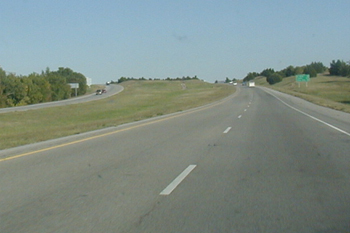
(312, 117)
(177, 180)
(227, 130)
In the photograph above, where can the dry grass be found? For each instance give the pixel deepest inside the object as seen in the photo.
(324, 90)
(139, 100)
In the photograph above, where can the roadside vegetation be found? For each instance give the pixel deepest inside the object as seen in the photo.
(329, 87)
(17, 90)
(325, 90)
(139, 100)
(337, 68)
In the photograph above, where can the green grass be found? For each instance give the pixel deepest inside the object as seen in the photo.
(139, 100)
(324, 90)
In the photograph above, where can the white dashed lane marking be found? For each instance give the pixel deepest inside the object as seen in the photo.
(168, 190)
(227, 130)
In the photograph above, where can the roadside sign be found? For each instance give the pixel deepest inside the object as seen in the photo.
(74, 85)
(303, 78)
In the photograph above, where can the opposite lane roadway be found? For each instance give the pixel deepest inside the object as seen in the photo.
(254, 162)
(111, 90)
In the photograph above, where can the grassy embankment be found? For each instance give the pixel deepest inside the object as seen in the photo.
(325, 90)
(139, 100)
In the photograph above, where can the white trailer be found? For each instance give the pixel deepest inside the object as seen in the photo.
(251, 84)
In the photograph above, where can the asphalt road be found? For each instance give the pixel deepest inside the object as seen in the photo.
(112, 89)
(256, 162)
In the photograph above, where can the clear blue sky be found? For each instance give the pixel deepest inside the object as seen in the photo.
(213, 39)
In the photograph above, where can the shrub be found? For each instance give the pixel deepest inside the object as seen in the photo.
(274, 78)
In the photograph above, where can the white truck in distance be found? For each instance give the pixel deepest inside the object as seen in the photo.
(251, 84)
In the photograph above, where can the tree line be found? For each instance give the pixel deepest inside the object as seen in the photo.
(123, 79)
(337, 68)
(38, 88)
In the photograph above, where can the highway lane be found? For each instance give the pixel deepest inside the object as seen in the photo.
(259, 166)
(112, 89)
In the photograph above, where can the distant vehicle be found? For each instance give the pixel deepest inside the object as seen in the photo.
(107, 83)
(99, 92)
(251, 84)
(104, 91)
(234, 84)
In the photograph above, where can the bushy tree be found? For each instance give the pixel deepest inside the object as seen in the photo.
(337, 67)
(38, 88)
(289, 71)
(345, 70)
(274, 78)
(122, 79)
(15, 90)
(43, 85)
(298, 70)
(73, 77)
(267, 72)
(318, 67)
(250, 76)
(3, 97)
(310, 70)
(60, 90)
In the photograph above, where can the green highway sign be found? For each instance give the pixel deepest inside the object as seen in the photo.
(303, 78)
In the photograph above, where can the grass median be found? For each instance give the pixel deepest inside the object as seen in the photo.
(138, 101)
